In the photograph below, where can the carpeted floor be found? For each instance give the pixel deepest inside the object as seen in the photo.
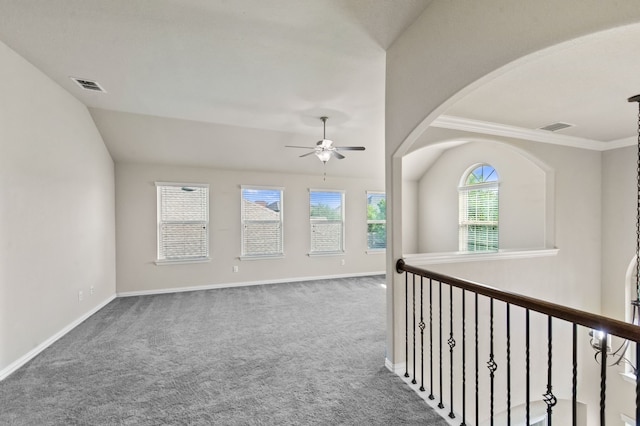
(309, 353)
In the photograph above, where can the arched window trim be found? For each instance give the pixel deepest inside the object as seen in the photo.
(490, 240)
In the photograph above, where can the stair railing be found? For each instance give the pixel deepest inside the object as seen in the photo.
(422, 317)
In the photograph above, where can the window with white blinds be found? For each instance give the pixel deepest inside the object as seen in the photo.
(326, 214)
(478, 210)
(376, 220)
(262, 221)
(183, 222)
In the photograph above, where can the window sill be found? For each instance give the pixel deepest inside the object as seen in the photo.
(376, 251)
(182, 261)
(326, 253)
(263, 257)
(459, 257)
(629, 377)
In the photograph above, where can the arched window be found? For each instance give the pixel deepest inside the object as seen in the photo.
(478, 209)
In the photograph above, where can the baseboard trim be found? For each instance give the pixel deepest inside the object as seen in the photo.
(433, 403)
(4, 373)
(394, 368)
(244, 284)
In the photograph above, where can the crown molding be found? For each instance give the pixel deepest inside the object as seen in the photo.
(624, 142)
(535, 135)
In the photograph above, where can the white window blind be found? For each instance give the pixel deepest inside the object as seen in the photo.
(326, 213)
(376, 220)
(478, 210)
(262, 230)
(183, 221)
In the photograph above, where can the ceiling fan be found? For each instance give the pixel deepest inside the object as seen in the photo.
(325, 149)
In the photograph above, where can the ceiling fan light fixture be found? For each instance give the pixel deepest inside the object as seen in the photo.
(324, 156)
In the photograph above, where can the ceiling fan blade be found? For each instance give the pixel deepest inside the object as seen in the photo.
(296, 146)
(350, 148)
(308, 153)
(337, 155)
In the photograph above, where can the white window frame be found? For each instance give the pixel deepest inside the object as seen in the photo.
(162, 260)
(463, 224)
(375, 221)
(244, 222)
(313, 222)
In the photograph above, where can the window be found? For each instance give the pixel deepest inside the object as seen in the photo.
(183, 222)
(478, 209)
(376, 220)
(261, 212)
(326, 213)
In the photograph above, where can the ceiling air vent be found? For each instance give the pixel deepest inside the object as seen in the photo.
(88, 84)
(556, 126)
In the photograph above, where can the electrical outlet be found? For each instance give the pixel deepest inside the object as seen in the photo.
(342, 262)
(80, 296)
(235, 268)
(91, 290)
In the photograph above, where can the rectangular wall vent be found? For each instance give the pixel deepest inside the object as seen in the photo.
(556, 126)
(94, 86)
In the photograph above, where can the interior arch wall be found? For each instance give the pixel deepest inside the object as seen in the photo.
(451, 49)
(522, 197)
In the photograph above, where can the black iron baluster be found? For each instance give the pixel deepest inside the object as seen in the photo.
(527, 369)
(440, 404)
(464, 369)
(452, 344)
(477, 367)
(603, 376)
(431, 339)
(548, 396)
(414, 330)
(508, 364)
(406, 325)
(421, 325)
(574, 384)
(491, 364)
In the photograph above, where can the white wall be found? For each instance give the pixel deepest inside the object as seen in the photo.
(618, 249)
(57, 222)
(522, 204)
(136, 229)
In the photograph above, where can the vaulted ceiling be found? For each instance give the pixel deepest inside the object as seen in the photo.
(221, 83)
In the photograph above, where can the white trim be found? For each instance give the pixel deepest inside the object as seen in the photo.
(394, 368)
(51, 340)
(459, 257)
(262, 257)
(376, 251)
(536, 135)
(278, 188)
(628, 377)
(246, 284)
(325, 253)
(433, 403)
(166, 262)
(627, 420)
(624, 142)
(185, 184)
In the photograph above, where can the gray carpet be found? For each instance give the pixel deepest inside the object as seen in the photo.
(309, 353)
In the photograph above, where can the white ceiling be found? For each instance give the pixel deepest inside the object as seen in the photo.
(273, 66)
(585, 82)
(229, 83)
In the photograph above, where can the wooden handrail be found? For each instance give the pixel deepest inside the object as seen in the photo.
(584, 318)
